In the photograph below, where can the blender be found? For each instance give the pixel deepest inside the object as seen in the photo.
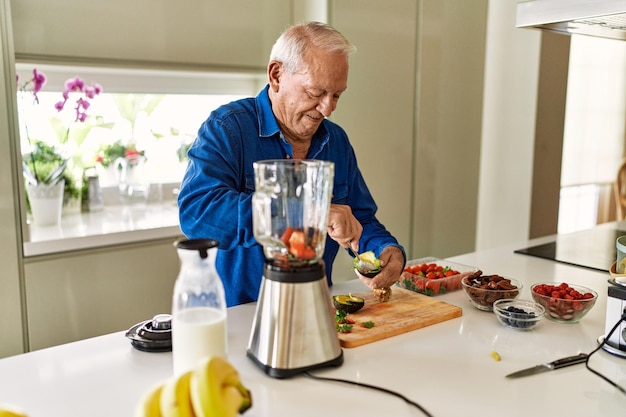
(293, 329)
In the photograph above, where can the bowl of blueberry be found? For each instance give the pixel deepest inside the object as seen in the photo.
(518, 314)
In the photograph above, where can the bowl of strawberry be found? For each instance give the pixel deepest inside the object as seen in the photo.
(564, 303)
(431, 276)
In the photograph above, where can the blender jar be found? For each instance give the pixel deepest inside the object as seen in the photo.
(290, 209)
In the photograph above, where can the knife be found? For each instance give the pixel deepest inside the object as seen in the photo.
(550, 366)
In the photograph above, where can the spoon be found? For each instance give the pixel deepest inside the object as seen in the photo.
(363, 267)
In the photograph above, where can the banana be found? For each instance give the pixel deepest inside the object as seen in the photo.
(212, 389)
(175, 398)
(235, 395)
(216, 390)
(150, 403)
(7, 410)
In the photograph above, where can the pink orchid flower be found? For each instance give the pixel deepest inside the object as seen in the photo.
(77, 85)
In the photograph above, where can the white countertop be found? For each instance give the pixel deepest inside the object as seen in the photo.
(447, 368)
(115, 225)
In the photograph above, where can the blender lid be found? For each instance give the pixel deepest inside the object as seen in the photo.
(153, 335)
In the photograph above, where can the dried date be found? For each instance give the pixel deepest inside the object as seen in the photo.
(487, 289)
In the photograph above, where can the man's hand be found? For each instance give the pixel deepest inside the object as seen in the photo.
(343, 227)
(391, 262)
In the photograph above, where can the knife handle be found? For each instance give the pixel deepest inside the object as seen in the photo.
(570, 360)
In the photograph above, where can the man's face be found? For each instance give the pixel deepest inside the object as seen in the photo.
(303, 99)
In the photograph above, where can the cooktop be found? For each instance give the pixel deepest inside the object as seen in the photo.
(593, 248)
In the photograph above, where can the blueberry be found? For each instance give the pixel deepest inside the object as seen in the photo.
(514, 315)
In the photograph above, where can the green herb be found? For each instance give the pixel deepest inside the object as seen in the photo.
(344, 328)
(340, 316)
(367, 324)
(342, 323)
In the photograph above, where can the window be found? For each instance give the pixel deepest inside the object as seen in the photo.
(159, 112)
(593, 144)
(155, 112)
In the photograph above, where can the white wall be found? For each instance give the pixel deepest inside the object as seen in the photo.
(508, 128)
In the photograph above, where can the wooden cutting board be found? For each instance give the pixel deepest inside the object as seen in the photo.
(405, 311)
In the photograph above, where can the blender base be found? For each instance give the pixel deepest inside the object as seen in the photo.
(611, 349)
(288, 373)
(294, 329)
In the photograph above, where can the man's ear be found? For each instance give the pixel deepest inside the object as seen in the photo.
(274, 73)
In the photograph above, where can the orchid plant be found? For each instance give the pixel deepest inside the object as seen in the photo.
(45, 164)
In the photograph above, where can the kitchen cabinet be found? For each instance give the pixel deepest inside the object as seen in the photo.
(383, 139)
(83, 294)
(413, 110)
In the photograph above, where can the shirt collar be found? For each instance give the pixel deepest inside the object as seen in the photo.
(268, 126)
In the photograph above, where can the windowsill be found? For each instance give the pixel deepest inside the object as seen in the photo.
(115, 225)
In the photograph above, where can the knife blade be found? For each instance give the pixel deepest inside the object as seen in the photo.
(550, 366)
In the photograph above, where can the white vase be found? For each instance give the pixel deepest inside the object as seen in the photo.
(46, 203)
(134, 180)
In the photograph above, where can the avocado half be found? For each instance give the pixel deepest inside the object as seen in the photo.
(348, 303)
(369, 257)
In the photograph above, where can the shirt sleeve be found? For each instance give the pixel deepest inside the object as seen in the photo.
(215, 196)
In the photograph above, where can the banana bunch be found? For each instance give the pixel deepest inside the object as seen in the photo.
(213, 389)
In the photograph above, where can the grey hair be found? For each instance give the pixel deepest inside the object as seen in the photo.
(290, 47)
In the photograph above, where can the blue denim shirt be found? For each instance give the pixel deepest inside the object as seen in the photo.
(215, 199)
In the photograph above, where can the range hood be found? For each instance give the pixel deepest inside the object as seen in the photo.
(600, 18)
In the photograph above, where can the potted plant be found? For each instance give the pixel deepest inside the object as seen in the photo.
(109, 155)
(45, 174)
(45, 166)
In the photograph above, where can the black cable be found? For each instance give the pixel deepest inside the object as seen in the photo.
(598, 348)
(360, 384)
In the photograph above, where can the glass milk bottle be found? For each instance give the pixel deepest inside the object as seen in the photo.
(199, 306)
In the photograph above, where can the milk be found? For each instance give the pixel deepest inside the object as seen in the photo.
(197, 332)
